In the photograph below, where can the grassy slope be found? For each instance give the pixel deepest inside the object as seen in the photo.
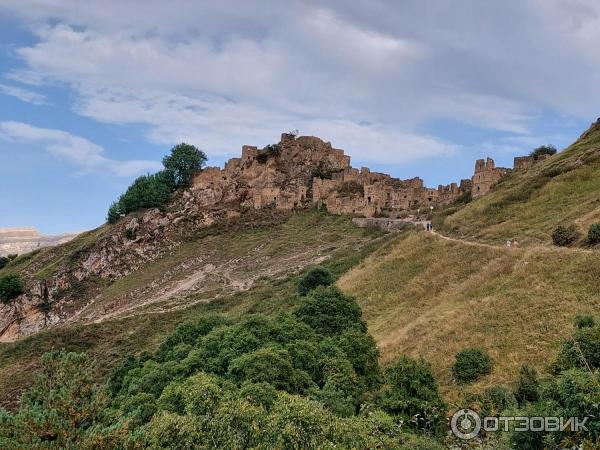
(430, 297)
(529, 204)
(109, 341)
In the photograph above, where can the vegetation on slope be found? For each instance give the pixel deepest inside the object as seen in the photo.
(296, 380)
(528, 205)
(432, 298)
(271, 255)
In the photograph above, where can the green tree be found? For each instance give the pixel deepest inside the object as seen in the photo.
(183, 162)
(147, 191)
(328, 311)
(10, 288)
(3, 262)
(315, 277)
(63, 409)
(411, 392)
(470, 364)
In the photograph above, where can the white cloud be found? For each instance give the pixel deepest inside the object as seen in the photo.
(76, 150)
(220, 74)
(24, 95)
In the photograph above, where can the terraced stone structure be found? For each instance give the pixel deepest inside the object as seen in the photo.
(306, 171)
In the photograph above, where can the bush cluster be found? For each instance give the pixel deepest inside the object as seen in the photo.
(154, 190)
(593, 237)
(309, 379)
(11, 287)
(564, 236)
(270, 151)
(471, 364)
(315, 277)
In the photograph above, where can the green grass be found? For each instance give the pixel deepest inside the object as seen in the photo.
(111, 340)
(428, 297)
(528, 205)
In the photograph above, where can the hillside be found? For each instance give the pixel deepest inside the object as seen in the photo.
(430, 297)
(237, 242)
(528, 205)
(250, 267)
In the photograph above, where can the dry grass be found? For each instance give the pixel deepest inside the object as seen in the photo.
(528, 205)
(427, 297)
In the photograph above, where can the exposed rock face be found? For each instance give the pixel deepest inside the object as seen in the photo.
(297, 172)
(307, 170)
(23, 240)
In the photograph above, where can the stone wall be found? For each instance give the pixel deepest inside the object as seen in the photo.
(304, 171)
(486, 176)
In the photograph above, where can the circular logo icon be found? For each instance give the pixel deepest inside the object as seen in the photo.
(466, 424)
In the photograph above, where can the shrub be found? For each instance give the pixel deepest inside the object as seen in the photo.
(183, 162)
(63, 409)
(581, 350)
(470, 364)
(564, 236)
(270, 151)
(147, 191)
(593, 237)
(3, 262)
(10, 288)
(584, 321)
(497, 399)
(412, 393)
(315, 277)
(544, 150)
(328, 311)
(527, 388)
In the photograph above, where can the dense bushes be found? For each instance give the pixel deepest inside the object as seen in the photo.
(593, 237)
(470, 364)
(3, 262)
(572, 391)
(10, 288)
(315, 277)
(310, 379)
(411, 392)
(564, 236)
(154, 190)
(63, 409)
(584, 321)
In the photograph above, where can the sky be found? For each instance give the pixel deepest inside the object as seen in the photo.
(94, 94)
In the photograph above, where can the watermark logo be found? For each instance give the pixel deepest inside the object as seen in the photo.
(466, 424)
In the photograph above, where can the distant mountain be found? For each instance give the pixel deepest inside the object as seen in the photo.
(25, 240)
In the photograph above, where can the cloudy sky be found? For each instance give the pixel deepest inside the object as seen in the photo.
(94, 93)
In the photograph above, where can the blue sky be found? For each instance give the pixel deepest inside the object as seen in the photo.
(92, 96)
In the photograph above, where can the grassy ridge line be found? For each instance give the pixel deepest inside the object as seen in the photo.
(429, 297)
(110, 341)
(529, 204)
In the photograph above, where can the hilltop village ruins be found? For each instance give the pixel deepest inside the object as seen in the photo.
(303, 171)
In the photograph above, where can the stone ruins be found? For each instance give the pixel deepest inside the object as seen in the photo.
(306, 171)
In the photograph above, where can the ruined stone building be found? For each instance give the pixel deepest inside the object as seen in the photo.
(306, 171)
